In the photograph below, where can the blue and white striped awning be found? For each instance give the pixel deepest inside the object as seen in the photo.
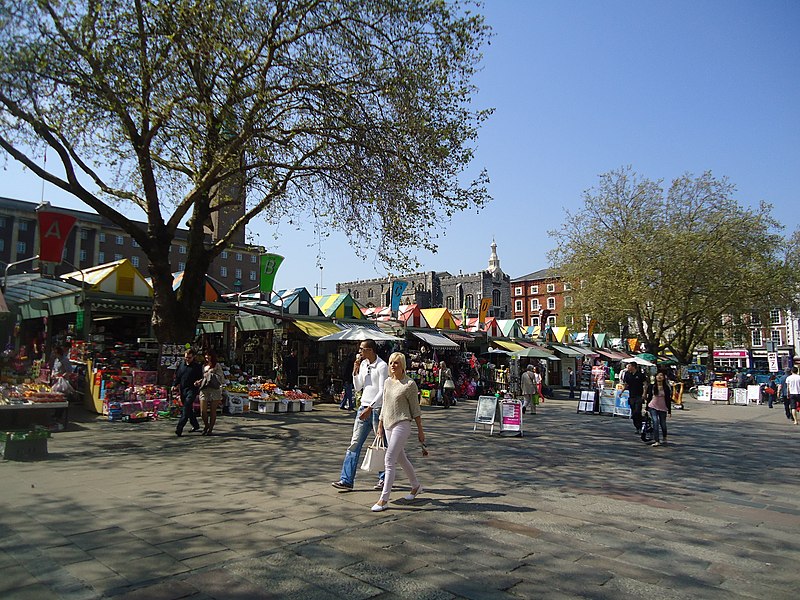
(362, 324)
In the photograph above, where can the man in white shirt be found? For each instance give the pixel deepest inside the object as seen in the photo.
(369, 376)
(793, 391)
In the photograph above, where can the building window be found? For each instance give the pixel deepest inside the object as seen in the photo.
(253, 258)
(134, 243)
(551, 303)
(755, 319)
(181, 266)
(120, 240)
(102, 236)
(567, 301)
(567, 287)
(23, 225)
(84, 234)
(551, 287)
(101, 257)
(22, 247)
(252, 275)
(238, 273)
(83, 256)
(517, 305)
(181, 249)
(223, 271)
(535, 304)
(118, 257)
(355, 293)
(775, 316)
(239, 256)
(421, 287)
(551, 321)
(518, 291)
(534, 289)
(756, 337)
(370, 293)
(495, 297)
(534, 321)
(570, 320)
(776, 337)
(450, 303)
(519, 321)
(470, 300)
(135, 261)
(224, 254)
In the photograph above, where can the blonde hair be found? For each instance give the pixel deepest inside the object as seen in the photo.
(399, 357)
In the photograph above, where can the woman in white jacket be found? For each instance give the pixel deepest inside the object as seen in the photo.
(211, 393)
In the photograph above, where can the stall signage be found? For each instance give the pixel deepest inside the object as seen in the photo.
(730, 353)
(511, 416)
(772, 359)
(486, 410)
(485, 304)
(79, 316)
(398, 288)
(622, 405)
(270, 263)
(54, 228)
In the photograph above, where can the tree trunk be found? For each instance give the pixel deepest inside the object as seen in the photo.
(175, 315)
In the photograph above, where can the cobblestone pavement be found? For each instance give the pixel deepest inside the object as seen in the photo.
(577, 508)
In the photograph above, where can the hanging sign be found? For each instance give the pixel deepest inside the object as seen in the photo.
(485, 304)
(268, 267)
(54, 228)
(398, 288)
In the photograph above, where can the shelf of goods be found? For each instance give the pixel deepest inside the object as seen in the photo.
(25, 405)
(266, 398)
(132, 391)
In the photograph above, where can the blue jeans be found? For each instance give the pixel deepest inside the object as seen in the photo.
(659, 423)
(361, 430)
(347, 396)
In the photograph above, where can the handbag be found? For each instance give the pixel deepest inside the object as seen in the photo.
(449, 385)
(210, 381)
(375, 457)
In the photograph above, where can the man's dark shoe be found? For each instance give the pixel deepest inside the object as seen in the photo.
(178, 432)
(195, 429)
(341, 485)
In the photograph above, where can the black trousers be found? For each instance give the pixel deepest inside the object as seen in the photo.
(787, 406)
(187, 414)
(635, 403)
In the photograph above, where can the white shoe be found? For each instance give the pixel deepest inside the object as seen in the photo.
(413, 495)
(379, 507)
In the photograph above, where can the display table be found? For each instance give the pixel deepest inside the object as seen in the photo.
(21, 416)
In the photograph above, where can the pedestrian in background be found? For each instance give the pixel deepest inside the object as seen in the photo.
(793, 391)
(210, 397)
(659, 405)
(400, 408)
(346, 373)
(634, 381)
(528, 382)
(771, 390)
(571, 381)
(369, 376)
(783, 394)
(186, 376)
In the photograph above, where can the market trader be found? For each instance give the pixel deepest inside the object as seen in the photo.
(370, 373)
(188, 373)
(634, 381)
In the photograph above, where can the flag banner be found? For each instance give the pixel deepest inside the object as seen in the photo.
(485, 304)
(269, 266)
(398, 288)
(592, 325)
(633, 343)
(54, 228)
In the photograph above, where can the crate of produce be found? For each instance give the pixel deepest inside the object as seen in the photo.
(24, 445)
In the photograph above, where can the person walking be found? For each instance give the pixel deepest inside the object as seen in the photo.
(771, 390)
(633, 380)
(528, 383)
(186, 377)
(783, 394)
(346, 373)
(659, 405)
(400, 408)
(793, 392)
(210, 392)
(369, 376)
(446, 384)
(571, 381)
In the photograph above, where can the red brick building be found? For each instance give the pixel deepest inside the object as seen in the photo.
(538, 295)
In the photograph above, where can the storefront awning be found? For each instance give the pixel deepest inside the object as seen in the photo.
(610, 354)
(358, 324)
(566, 351)
(508, 345)
(316, 329)
(436, 340)
(584, 351)
(255, 323)
(211, 327)
(458, 337)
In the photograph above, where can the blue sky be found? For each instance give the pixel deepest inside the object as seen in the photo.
(582, 87)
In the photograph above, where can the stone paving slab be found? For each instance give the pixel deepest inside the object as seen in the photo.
(577, 508)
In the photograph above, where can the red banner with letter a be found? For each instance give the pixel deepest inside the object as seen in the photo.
(54, 228)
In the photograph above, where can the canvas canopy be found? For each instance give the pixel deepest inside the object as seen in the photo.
(411, 315)
(296, 301)
(119, 277)
(436, 340)
(339, 306)
(359, 333)
(510, 328)
(316, 329)
(439, 318)
(492, 328)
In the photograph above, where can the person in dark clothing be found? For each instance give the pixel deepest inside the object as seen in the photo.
(346, 373)
(290, 369)
(634, 381)
(186, 377)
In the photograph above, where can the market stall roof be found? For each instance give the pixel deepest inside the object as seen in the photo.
(639, 361)
(119, 277)
(510, 328)
(211, 294)
(506, 345)
(353, 324)
(459, 337)
(535, 352)
(3, 305)
(584, 350)
(436, 340)
(492, 328)
(566, 350)
(297, 302)
(316, 329)
(439, 318)
(411, 315)
(249, 322)
(339, 306)
(610, 354)
(27, 291)
(377, 312)
(600, 340)
(358, 333)
(560, 334)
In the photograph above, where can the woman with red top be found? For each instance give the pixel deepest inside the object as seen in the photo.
(659, 405)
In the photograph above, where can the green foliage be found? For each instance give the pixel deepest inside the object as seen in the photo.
(355, 113)
(673, 262)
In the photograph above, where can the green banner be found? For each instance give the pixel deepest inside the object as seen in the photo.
(79, 321)
(269, 266)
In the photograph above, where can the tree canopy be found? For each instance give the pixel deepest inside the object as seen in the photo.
(671, 262)
(354, 113)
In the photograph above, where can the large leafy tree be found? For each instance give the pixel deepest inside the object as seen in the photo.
(675, 262)
(353, 113)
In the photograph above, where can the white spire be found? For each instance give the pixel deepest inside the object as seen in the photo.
(494, 262)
